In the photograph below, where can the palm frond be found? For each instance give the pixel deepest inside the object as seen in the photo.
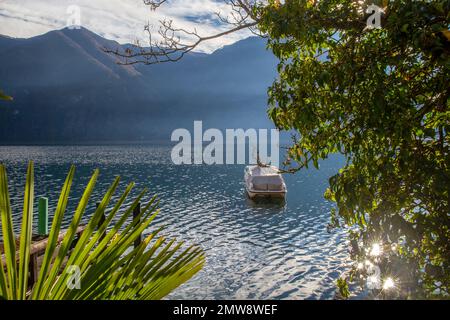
(110, 267)
(3, 96)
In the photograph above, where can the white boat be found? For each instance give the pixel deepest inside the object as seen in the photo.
(264, 181)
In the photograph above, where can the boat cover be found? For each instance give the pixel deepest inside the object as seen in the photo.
(267, 183)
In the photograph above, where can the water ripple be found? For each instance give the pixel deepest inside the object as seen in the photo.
(254, 250)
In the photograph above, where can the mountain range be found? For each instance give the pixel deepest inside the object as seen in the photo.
(67, 89)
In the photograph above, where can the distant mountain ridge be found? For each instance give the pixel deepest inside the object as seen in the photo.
(67, 89)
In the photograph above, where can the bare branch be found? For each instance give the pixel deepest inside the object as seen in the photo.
(174, 43)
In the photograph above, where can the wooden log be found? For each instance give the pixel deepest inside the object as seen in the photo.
(39, 246)
(37, 250)
(33, 269)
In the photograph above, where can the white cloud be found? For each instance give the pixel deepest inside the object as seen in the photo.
(120, 20)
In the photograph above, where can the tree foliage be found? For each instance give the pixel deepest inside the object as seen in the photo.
(380, 97)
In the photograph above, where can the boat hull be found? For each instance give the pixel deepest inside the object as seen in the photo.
(264, 182)
(266, 194)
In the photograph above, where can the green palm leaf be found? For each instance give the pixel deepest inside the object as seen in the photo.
(26, 234)
(110, 268)
(4, 96)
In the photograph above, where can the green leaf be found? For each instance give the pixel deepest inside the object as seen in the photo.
(3, 96)
(110, 267)
(343, 288)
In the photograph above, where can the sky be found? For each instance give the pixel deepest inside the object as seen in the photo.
(120, 20)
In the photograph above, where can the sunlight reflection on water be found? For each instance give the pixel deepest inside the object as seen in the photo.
(254, 251)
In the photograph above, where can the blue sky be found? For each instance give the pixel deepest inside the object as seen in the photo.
(120, 20)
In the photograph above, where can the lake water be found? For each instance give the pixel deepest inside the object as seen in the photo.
(253, 250)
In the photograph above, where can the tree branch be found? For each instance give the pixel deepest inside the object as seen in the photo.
(171, 47)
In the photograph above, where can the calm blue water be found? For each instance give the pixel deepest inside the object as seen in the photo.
(254, 250)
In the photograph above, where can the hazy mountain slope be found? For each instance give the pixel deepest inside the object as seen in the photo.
(64, 57)
(67, 89)
(7, 42)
